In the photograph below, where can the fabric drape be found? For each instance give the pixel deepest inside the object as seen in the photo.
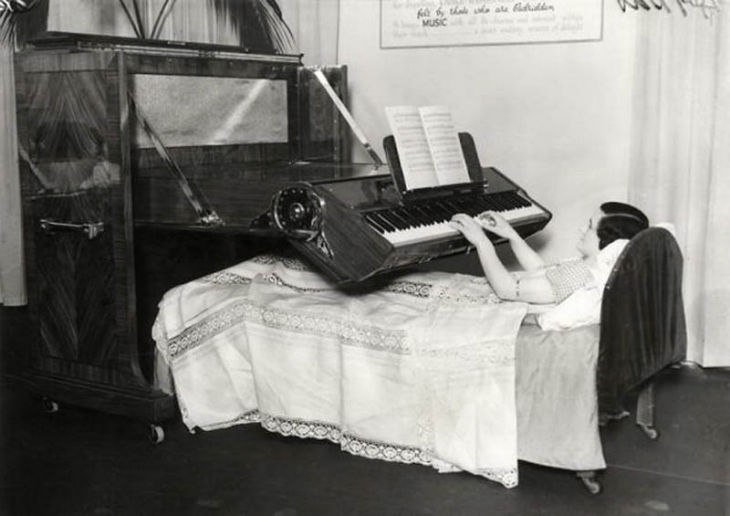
(315, 25)
(12, 278)
(680, 157)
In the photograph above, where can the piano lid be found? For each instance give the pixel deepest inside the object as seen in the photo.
(53, 40)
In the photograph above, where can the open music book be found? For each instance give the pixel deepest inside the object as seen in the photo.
(428, 146)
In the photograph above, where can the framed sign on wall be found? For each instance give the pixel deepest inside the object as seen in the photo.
(437, 23)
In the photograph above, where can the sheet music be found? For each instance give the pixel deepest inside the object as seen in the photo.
(443, 141)
(428, 146)
(413, 150)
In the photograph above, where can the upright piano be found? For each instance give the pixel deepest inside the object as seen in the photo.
(145, 164)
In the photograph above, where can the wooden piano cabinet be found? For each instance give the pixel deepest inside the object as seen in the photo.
(78, 236)
(107, 228)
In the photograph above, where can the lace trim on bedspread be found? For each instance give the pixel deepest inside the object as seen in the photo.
(346, 331)
(410, 288)
(478, 288)
(354, 445)
(274, 279)
(252, 416)
(467, 290)
(226, 278)
(289, 262)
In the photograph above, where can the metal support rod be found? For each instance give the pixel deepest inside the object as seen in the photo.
(359, 134)
(206, 214)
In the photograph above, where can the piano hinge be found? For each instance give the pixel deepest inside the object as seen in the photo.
(323, 245)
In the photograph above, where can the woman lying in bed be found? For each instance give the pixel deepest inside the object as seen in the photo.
(582, 280)
(425, 369)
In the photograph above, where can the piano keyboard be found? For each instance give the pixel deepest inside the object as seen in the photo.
(356, 228)
(429, 220)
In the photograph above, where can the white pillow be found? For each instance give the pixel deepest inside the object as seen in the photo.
(581, 308)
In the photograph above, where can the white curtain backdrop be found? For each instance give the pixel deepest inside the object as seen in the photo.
(314, 24)
(12, 277)
(680, 169)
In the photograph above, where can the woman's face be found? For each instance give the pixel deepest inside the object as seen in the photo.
(588, 242)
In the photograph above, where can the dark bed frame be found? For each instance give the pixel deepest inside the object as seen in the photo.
(643, 329)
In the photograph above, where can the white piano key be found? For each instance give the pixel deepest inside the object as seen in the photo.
(414, 235)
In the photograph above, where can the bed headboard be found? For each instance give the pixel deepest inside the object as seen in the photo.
(643, 327)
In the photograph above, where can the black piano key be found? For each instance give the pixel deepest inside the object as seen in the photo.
(481, 203)
(429, 210)
(440, 212)
(471, 206)
(501, 203)
(452, 206)
(399, 222)
(434, 213)
(394, 220)
(407, 217)
(496, 204)
(447, 209)
(489, 204)
(423, 217)
(385, 221)
(511, 200)
(516, 200)
(370, 218)
(521, 201)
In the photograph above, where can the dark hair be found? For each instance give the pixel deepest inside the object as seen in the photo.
(620, 220)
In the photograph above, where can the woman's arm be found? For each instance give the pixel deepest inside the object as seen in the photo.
(532, 288)
(496, 223)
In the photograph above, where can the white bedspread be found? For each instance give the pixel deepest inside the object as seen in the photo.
(419, 371)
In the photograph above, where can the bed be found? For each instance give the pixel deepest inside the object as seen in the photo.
(380, 372)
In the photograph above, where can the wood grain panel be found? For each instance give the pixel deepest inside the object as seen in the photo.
(75, 278)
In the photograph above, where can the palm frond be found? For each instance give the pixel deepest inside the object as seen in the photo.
(21, 20)
(140, 20)
(161, 17)
(259, 24)
(133, 21)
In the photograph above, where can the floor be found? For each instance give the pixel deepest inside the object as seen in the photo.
(79, 462)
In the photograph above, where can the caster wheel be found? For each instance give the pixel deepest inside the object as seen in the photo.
(651, 432)
(592, 485)
(590, 482)
(605, 417)
(157, 434)
(49, 406)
